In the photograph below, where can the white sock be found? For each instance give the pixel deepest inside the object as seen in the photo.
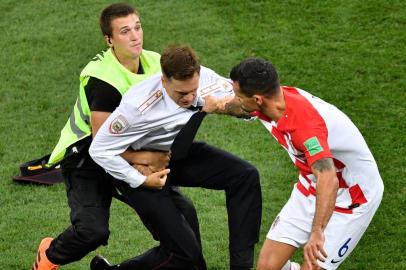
(291, 266)
(294, 266)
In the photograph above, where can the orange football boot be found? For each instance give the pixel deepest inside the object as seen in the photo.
(42, 262)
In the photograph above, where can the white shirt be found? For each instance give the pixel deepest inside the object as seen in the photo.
(147, 118)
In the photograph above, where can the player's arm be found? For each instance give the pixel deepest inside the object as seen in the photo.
(233, 107)
(219, 98)
(229, 105)
(326, 194)
(326, 191)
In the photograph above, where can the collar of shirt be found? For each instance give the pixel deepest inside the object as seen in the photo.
(173, 105)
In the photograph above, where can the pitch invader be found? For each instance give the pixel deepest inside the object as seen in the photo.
(162, 114)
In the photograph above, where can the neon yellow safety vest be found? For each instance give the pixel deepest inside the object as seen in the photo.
(107, 68)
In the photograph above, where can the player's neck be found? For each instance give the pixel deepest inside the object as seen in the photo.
(274, 107)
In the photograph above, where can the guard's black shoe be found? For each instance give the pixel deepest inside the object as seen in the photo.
(100, 263)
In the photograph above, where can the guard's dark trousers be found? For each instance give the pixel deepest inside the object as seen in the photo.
(208, 167)
(89, 191)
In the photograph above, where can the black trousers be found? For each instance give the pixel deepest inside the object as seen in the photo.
(89, 191)
(179, 244)
(208, 167)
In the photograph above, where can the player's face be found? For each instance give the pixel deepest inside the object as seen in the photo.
(248, 104)
(182, 92)
(127, 37)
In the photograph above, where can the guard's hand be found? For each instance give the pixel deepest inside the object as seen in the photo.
(155, 160)
(159, 160)
(143, 169)
(314, 250)
(156, 180)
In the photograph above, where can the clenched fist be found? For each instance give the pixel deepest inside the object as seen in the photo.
(156, 180)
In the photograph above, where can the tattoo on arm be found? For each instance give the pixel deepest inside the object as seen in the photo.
(324, 164)
(235, 109)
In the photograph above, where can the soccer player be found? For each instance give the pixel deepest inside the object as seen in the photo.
(150, 116)
(339, 187)
(89, 187)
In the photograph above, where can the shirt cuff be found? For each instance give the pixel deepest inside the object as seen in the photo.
(135, 179)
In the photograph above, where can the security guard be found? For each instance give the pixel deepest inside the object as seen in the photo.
(150, 116)
(89, 188)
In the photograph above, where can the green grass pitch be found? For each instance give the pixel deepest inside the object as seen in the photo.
(350, 53)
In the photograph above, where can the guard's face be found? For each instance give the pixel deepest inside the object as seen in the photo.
(248, 104)
(182, 92)
(127, 37)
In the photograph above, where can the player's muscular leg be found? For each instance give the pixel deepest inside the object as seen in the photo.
(274, 255)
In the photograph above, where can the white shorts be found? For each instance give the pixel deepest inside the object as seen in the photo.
(293, 226)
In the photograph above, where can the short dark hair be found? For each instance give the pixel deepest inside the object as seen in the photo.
(112, 12)
(179, 62)
(256, 76)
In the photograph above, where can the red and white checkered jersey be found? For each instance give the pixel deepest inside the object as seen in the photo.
(311, 129)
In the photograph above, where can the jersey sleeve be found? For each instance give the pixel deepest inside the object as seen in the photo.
(312, 139)
(101, 96)
(123, 128)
